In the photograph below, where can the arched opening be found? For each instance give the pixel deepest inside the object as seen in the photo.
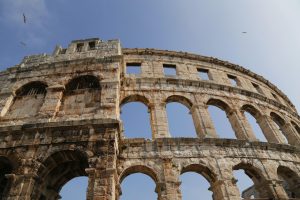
(218, 112)
(56, 171)
(290, 181)
(250, 182)
(79, 193)
(131, 187)
(82, 96)
(32, 95)
(252, 115)
(6, 167)
(196, 182)
(297, 128)
(179, 117)
(279, 122)
(136, 117)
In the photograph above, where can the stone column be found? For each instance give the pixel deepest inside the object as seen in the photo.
(21, 186)
(241, 125)
(225, 189)
(101, 184)
(270, 130)
(276, 188)
(6, 101)
(159, 120)
(203, 123)
(291, 133)
(52, 101)
(169, 189)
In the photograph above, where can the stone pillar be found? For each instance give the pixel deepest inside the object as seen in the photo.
(291, 134)
(241, 125)
(159, 120)
(225, 189)
(169, 189)
(270, 130)
(21, 186)
(202, 121)
(101, 184)
(52, 101)
(6, 101)
(276, 188)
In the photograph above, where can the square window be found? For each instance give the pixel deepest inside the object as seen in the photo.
(169, 70)
(92, 45)
(203, 74)
(79, 47)
(233, 80)
(63, 51)
(133, 68)
(257, 88)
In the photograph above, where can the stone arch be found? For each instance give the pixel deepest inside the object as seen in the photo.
(56, 170)
(220, 104)
(259, 189)
(139, 169)
(135, 98)
(180, 99)
(142, 113)
(207, 173)
(32, 94)
(280, 122)
(82, 95)
(290, 181)
(257, 115)
(231, 124)
(182, 106)
(297, 128)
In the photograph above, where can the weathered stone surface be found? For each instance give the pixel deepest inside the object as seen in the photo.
(60, 118)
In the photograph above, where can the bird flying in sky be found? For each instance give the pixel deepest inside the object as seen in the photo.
(24, 18)
(244, 32)
(23, 43)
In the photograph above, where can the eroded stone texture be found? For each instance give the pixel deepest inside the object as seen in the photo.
(60, 119)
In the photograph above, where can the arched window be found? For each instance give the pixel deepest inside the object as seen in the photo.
(248, 182)
(291, 181)
(57, 170)
(32, 95)
(195, 182)
(138, 186)
(82, 96)
(252, 116)
(135, 116)
(218, 112)
(279, 122)
(131, 187)
(5, 168)
(179, 117)
(297, 128)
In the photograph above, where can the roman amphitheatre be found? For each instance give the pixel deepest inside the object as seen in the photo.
(60, 119)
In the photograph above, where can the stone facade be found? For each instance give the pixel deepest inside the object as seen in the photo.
(60, 118)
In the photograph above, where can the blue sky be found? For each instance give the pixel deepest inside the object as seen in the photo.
(213, 27)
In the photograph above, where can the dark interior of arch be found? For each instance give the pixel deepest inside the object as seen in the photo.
(250, 109)
(277, 119)
(5, 168)
(32, 88)
(83, 82)
(291, 181)
(202, 170)
(179, 99)
(56, 171)
(218, 103)
(296, 127)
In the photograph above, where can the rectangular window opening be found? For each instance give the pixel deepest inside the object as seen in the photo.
(169, 70)
(63, 51)
(92, 45)
(79, 47)
(203, 74)
(257, 88)
(233, 80)
(133, 68)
